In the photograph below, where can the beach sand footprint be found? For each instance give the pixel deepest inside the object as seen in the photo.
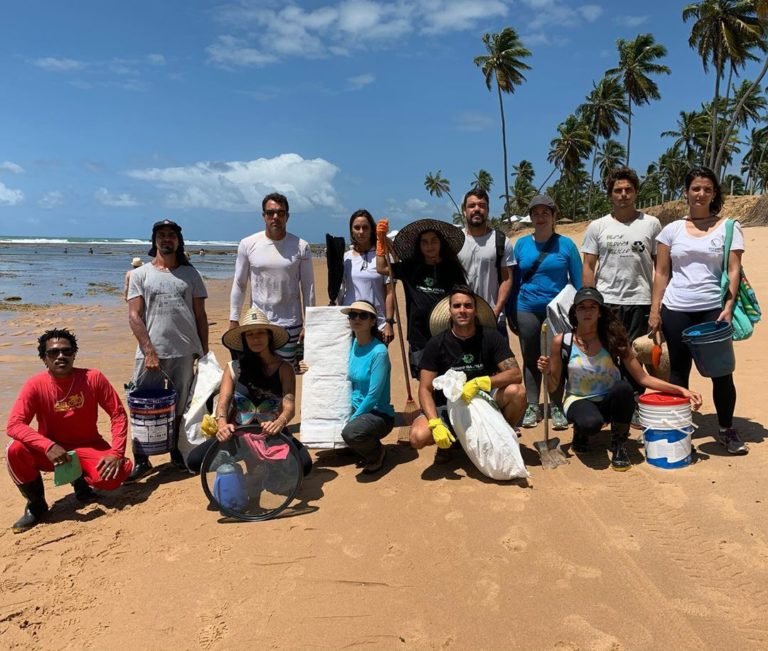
(213, 631)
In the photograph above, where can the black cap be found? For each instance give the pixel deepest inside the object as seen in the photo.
(166, 223)
(541, 200)
(588, 294)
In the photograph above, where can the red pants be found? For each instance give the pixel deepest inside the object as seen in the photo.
(25, 464)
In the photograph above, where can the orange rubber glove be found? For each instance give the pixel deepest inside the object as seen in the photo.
(382, 228)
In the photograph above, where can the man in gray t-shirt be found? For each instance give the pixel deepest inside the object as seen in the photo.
(166, 312)
(619, 252)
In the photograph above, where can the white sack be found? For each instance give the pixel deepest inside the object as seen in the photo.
(326, 393)
(557, 313)
(489, 441)
(207, 382)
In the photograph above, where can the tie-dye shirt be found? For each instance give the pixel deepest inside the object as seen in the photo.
(589, 377)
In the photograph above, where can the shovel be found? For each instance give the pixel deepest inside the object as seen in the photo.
(549, 449)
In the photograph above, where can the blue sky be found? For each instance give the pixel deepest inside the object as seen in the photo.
(114, 115)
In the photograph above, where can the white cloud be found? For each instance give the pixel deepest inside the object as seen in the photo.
(51, 199)
(358, 82)
(106, 198)
(458, 15)
(471, 121)
(156, 59)
(630, 21)
(14, 168)
(591, 13)
(228, 50)
(239, 186)
(415, 205)
(54, 64)
(9, 196)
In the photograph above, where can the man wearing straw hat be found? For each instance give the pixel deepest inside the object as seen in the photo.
(166, 312)
(487, 256)
(465, 338)
(64, 402)
(279, 266)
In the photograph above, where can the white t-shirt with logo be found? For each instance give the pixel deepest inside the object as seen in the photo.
(478, 257)
(697, 266)
(624, 253)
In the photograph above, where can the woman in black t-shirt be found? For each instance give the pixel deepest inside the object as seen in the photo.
(428, 266)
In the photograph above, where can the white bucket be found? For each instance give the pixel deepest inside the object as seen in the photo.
(667, 429)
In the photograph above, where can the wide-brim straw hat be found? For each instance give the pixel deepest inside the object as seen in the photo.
(360, 306)
(440, 317)
(136, 262)
(407, 238)
(253, 319)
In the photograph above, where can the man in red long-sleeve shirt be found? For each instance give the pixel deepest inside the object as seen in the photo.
(64, 401)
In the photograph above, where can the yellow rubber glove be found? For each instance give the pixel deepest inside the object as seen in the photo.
(209, 427)
(382, 228)
(441, 433)
(474, 385)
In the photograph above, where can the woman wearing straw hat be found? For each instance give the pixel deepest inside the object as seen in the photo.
(259, 386)
(135, 264)
(361, 280)
(428, 266)
(595, 390)
(687, 288)
(546, 263)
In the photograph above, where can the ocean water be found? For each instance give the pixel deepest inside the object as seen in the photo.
(64, 270)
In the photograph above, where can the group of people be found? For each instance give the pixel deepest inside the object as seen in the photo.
(465, 290)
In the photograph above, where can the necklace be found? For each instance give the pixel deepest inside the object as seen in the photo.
(63, 405)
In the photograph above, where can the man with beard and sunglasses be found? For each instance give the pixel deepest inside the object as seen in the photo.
(166, 312)
(64, 401)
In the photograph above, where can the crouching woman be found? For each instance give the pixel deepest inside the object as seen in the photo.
(595, 392)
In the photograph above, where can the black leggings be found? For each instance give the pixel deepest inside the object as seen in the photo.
(723, 390)
(589, 416)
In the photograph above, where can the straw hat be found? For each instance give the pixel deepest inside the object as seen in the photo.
(360, 306)
(440, 317)
(136, 262)
(253, 319)
(407, 238)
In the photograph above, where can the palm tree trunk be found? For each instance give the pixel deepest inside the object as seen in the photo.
(734, 117)
(504, 148)
(713, 130)
(629, 126)
(541, 187)
(592, 178)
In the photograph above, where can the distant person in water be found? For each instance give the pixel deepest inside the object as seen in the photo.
(135, 264)
(166, 313)
(64, 402)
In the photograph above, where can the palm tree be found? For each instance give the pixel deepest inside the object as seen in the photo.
(604, 109)
(523, 188)
(483, 180)
(752, 105)
(636, 63)
(692, 135)
(574, 142)
(437, 185)
(724, 32)
(504, 63)
(756, 157)
(609, 156)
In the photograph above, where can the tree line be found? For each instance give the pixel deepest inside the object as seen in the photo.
(726, 34)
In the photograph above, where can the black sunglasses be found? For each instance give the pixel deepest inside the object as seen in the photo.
(358, 315)
(53, 353)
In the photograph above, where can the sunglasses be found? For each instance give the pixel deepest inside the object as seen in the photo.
(359, 315)
(53, 353)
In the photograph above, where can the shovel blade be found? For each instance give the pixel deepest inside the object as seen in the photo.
(550, 453)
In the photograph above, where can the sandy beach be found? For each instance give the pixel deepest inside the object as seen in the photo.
(422, 557)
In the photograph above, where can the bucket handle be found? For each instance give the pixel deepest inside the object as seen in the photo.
(664, 421)
(166, 382)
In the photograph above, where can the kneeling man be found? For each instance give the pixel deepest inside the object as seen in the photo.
(465, 338)
(65, 402)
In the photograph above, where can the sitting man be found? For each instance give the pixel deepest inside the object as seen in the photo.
(465, 338)
(64, 401)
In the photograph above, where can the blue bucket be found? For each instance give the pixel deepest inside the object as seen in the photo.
(153, 413)
(229, 487)
(711, 346)
(668, 448)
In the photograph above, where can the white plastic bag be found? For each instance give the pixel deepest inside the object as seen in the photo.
(489, 441)
(207, 381)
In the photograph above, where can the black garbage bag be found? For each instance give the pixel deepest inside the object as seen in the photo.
(334, 255)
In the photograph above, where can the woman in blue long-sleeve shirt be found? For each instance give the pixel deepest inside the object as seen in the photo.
(369, 368)
(546, 262)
